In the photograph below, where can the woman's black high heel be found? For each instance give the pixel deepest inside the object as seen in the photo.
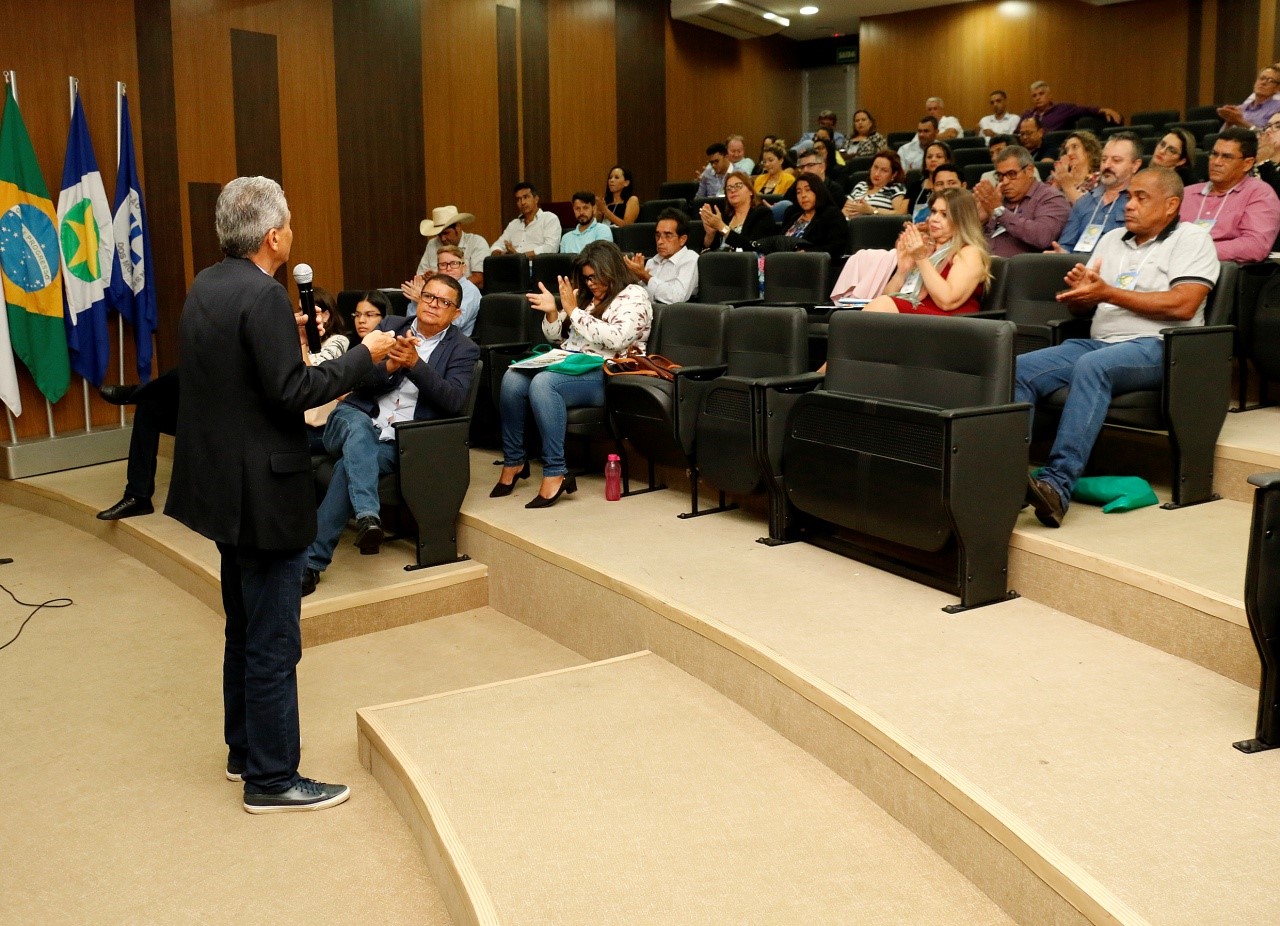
(569, 485)
(503, 489)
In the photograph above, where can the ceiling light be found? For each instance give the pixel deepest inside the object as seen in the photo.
(770, 15)
(808, 10)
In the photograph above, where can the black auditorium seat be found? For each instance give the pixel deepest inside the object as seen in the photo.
(966, 156)
(506, 273)
(1262, 605)
(875, 231)
(678, 189)
(1258, 340)
(546, 267)
(729, 277)
(1198, 127)
(965, 142)
(797, 278)
(636, 238)
(909, 453)
(1028, 298)
(650, 209)
(717, 433)
(1199, 114)
(1158, 119)
(506, 328)
(643, 409)
(896, 140)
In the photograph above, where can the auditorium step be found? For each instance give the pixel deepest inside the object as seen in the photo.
(625, 791)
(356, 595)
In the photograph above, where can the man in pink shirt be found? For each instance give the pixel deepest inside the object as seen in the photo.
(1240, 212)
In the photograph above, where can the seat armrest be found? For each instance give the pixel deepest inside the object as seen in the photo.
(1063, 329)
(1187, 331)
(988, 313)
(740, 302)
(1265, 480)
(799, 383)
(772, 398)
(406, 426)
(701, 373)
(974, 411)
(507, 348)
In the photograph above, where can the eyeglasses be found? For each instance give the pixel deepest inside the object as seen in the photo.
(1223, 156)
(1268, 80)
(449, 264)
(587, 278)
(1271, 126)
(1004, 175)
(665, 236)
(433, 299)
(810, 166)
(1164, 146)
(734, 187)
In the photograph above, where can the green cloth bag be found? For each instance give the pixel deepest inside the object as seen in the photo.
(1115, 493)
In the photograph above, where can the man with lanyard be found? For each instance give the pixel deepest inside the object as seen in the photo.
(1239, 211)
(1155, 273)
(1102, 208)
(1021, 214)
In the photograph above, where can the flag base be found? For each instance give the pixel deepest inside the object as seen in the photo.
(35, 456)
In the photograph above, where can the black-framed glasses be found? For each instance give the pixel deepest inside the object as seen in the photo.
(1009, 174)
(449, 264)
(433, 299)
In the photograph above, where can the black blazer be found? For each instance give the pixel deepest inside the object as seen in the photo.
(241, 470)
(443, 381)
(759, 224)
(829, 231)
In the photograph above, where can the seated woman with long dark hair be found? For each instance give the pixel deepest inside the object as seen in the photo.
(739, 219)
(815, 222)
(944, 272)
(620, 205)
(605, 312)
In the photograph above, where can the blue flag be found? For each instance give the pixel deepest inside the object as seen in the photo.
(133, 286)
(86, 239)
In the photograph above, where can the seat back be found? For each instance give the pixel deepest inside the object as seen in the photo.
(546, 267)
(728, 276)
(797, 276)
(1028, 295)
(924, 360)
(1198, 127)
(993, 292)
(690, 333)
(506, 273)
(966, 156)
(973, 173)
(852, 178)
(636, 238)
(1141, 129)
(505, 318)
(875, 231)
(967, 141)
(651, 209)
(1221, 306)
(766, 340)
(862, 162)
(896, 140)
(1198, 113)
(682, 190)
(1156, 118)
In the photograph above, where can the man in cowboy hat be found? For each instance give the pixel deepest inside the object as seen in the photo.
(445, 227)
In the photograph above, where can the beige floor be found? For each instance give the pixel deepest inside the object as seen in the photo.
(1253, 435)
(116, 809)
(628, 792)
(1116, 753)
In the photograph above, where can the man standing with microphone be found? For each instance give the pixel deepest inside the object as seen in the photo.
(242, 478)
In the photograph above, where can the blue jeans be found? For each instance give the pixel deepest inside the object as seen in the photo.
(262, 599)
(350, 435)
(1095, 371)
(550, 395)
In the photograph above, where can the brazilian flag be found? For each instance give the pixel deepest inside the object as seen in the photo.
(29, 257)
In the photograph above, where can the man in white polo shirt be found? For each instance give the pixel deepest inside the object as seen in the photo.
(1155, 273)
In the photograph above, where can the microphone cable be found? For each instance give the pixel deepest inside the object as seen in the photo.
(36, 608)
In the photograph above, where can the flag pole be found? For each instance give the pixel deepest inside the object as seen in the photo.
(73, 88)
(120, 91)
(11, 78)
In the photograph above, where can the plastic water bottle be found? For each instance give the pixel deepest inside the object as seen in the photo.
(613, 478)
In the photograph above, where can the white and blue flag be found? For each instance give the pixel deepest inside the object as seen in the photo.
(133, 288)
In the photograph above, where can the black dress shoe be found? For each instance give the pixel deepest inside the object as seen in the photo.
(369, 535)
(1046, 502)
(118, 395)
(310, 579)
(503, 489)
(126, 508)
(568, 486)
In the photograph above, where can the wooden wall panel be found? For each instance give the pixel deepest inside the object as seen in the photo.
(98, 57)
(255, 100)
(468, 110)
(1076, 47)
(641, 53)
(1234, 68)
(535, 95)
(583, 100)
(717, 86)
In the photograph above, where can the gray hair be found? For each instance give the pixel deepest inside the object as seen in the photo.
(248, 208)
(1015, 152)
(1040, 85)
(933, 99)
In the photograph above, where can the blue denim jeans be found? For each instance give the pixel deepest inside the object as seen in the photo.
(550, 395)
(262, 599)
(1095, 371)
(351, 436)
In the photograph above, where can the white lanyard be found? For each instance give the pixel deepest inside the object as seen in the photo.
(1128, 279)
(1204, 203)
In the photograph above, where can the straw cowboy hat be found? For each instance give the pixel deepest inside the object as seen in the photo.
(441, 218)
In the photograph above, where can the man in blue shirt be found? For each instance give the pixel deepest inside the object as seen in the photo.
(587, 229)
(1102, 208)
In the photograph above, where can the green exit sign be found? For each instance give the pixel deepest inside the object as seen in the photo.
(847, 55)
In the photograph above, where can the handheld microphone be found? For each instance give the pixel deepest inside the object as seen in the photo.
(302, 276)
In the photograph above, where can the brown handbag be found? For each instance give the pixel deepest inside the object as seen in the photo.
(643, 365)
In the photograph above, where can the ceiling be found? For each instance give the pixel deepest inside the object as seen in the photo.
(838, 16)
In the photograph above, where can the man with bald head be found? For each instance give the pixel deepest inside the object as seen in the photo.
(1154, 273)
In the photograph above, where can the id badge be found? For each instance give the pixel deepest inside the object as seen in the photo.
(1206, 224)
(998, 231)
(1127, 280)
(1089, 239)
(911, 284)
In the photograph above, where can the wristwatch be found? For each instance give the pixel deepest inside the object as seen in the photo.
(997, 212)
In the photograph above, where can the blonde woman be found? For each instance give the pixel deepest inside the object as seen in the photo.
(944, 273)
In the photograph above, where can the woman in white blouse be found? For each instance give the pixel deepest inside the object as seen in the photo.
(605, 312)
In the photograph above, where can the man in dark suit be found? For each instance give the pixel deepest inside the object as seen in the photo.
(427, 375)
(242, 478)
